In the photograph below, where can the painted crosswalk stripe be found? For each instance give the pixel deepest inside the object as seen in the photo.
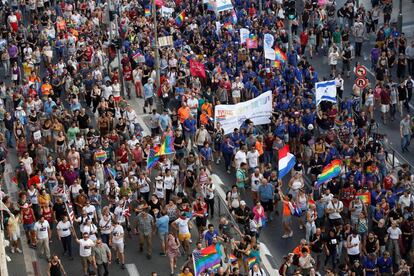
(132, 269)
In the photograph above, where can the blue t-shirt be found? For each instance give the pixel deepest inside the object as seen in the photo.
(162, 224)
(208, 236)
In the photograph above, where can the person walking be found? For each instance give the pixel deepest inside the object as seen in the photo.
(405, 133)
(55, 267)
(173, 251)
(43, 235)
(65, 235)
(103, 257)
(145, 226)
(85, 252)
(118, 243)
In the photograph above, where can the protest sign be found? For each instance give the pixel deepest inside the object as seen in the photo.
(258, 110)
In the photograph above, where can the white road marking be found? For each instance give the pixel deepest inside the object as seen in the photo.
(132, 269)
(263, 252)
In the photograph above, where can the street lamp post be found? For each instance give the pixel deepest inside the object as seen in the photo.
(400, 18)
(118, 54)
(157, 55)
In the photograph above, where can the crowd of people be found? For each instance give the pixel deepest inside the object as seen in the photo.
(74, 71)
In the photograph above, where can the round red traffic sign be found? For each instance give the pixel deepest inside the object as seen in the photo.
(361, 71)
(361, 82)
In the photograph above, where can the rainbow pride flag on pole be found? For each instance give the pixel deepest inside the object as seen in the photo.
(152, 159)
(100, 155)
(147, 12)
(207, 258)
(179, 20)
(280, 55)
(167, 145)
(251, 261)
(330, 171)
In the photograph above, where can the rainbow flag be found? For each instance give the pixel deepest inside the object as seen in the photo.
(277, 64)
(100, 155)
(365, 197)
(280, 55)
(136, 57)
(111, 171)
(152, 159)
(179, 20)
(147, 12)
(251, 261)
(207, 258)
(330, 171)
(233, 258)
(167, 145)
(228, 26)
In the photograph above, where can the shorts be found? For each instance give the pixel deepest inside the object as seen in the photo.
(28, 227)
(267, 205)
(86, 260)
(117, 99)
(184, 237)
(385, 108)
(163, 237)
(286, 219)
(149, 101)
(15, 236)
(118, 246)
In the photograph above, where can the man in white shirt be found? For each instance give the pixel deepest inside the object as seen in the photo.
(43, 235)
(394, 235)
(65, 236)
(252, 158)
(118, 243)
(406, 200)
(334, 209)
(240, 157)
(90, 210)
(85, 252)
(192, 103)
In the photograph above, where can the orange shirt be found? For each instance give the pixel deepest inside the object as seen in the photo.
(204, 119)
(286, 209)
(46, 89)
(183, 113)
(259, 147)
(208, 108)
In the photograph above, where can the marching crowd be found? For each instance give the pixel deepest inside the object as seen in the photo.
(85, 173)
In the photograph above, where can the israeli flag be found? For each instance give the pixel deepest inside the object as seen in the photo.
(325, 91)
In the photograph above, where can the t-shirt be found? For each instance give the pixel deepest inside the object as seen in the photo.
(182, 226)
(117, 234)
(394, 233)
(41, 229)
(63, 229)
(90, 210)
(162, 224)
(85, 247)
(252, 158)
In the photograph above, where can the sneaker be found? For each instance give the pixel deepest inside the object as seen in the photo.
(122, 266)
(12, 250)
(19, 250)
(300, 227)
(218, 161)
(291, 234)
(228, 171)
(285, 236)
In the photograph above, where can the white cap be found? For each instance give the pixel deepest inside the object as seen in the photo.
(310, 127)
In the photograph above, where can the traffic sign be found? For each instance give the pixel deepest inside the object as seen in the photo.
(361, 71)
(361, 82)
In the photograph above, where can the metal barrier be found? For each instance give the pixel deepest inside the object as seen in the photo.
(223, 211)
